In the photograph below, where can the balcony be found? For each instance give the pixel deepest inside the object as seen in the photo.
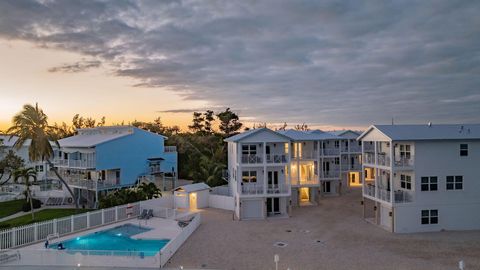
(170, 149)
(276, 159)
(351, 167)
(399, 196)
(252, 189)
(330, 174)
(75, 163)
(278, 189)
(251, 159)
(355, 148)
(305, 181)
(331, 151)
(306, 155)
(369, 158)
(383, 159)
(404, 162)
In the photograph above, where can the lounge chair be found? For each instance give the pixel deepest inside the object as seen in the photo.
(149, 214)
(184, 223)
(144, 214)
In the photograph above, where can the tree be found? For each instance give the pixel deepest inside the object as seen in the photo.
(25, 174)
(209, 118)
(8, 165)
(229, 122)
(197, 125)
(32, 124)
(302, 127)
(150, 190)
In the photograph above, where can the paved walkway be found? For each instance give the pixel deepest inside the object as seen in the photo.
(330, 236)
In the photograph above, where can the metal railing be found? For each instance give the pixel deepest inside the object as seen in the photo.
(402, 196)
(383, 159)
(276, 158)
(75, 163)
(306, 155)
(369, 158)
(170, 149)
(28, 234)
(404, 162)
(331, 151)
(355, 167)
(330, 174)
(252, 189)
(311, 181)
(251, 159)
(278, 189)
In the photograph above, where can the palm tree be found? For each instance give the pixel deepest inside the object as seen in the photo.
(25, 174)
(32, 124)
(150, 190)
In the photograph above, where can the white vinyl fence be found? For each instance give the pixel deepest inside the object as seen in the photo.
(221, 202)
(29, 234)
(171, 247)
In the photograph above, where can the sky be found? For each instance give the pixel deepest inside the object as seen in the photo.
(330, 64)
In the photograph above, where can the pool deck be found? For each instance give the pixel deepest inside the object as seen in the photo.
(161, 229)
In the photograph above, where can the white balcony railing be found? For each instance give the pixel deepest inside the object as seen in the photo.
(369, 158)
(383, 159)
(351, 167)
(369, 190)
(331, 151)
(252, 189)
(276, 158)
(306, 155)
(278, 189)
(402, 196)
(311, 181)
(170, 149)
(251, 159)
(75, 163)
(331, 174)
(404, 162)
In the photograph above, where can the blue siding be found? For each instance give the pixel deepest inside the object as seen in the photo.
(130, 154)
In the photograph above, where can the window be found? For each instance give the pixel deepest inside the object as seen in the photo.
(405, 152)
(249, 149)
(337, 144)
(429, 183)
(406, 181)
(249, 176)
(454, 182)
(429, 216)
(337, 160)
(463, 149)
(39, 168)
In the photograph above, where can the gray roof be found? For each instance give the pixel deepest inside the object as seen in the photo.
(428, 132)
(193, 187)
(89, 140)
(312, 135)
(343, 133)
(250, 132)
(6, 141)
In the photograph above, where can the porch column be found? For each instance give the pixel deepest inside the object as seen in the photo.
(264, 159)
(363, 169)
(391, 173)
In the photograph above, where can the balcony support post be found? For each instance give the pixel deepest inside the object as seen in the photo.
(264, 154)
(363, 169)
(391, 173)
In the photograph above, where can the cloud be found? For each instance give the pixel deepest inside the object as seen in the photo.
(327, 62)
(81, 66)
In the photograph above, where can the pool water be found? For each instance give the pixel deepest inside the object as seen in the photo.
(115, 241)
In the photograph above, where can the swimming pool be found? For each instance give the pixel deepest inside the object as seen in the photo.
(117, 240)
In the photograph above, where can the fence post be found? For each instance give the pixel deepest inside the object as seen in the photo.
(116, 213)
(72, 224)
(14, 237)
(103, 216)
(88, 219)
(35, 231)
(55, 231)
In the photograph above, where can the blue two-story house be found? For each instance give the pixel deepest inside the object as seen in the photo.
(102, 159)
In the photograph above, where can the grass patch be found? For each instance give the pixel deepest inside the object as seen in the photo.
(11, 207)
(41, 215)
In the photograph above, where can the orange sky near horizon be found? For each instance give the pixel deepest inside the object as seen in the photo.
(24, 78)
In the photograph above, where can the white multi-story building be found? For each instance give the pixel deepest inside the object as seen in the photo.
(270, 171)
(421, 178)
(7, 144)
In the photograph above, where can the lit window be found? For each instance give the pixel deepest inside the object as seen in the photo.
(249, 176)
(455, 182)
(429, 183)
(430, 216)
(463, 149)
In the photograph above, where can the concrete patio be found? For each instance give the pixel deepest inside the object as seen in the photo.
(330, 236)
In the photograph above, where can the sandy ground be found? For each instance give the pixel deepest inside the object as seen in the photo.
(346, 242)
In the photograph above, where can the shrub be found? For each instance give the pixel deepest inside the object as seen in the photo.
(36, 204)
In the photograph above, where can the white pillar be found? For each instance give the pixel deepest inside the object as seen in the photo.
(391, 173)
(264, 159)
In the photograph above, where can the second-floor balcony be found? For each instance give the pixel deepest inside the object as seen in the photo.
(251, 159)
(305, 181)
(86, 163)
(399, 196)
(331, 151)
(260, 189)
(252, 189)
(272, 158)
(404, 161)
(79, 180)
(351, 167)
(330, 174)
(278, 189)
